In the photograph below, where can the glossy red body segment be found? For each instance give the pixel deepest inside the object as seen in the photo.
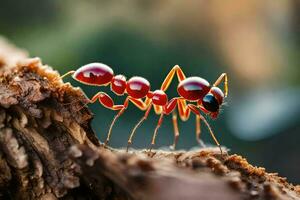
(106, 100)
(218, 94)
(118, 84)
(94, 74)
(193, 88)
(137, 87)
(170, 106)
(159, 98)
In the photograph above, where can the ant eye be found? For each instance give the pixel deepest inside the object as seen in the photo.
(210, 103)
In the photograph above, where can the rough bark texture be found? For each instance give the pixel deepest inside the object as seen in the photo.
(49, 151)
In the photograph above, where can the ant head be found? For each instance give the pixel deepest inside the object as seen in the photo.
(212, 101)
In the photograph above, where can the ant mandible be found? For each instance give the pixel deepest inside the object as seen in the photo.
(192, 89)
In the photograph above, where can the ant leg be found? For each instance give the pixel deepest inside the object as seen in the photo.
(89, 101)
(107, 102)
(158, 109)
(142, 105)
(222, 77)
(137, 125)
(195, 110)
(180, 75)
(138, 102)
(112, 124)
(211, 133)
(184, 111)
(67, 74)
(160, 120)
(176, 131)
(167, 109)
(198, 131)
(165, 85)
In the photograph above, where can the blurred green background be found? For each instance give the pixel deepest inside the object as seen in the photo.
(256, 42)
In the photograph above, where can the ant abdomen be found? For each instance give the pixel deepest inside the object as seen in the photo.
(94, 74)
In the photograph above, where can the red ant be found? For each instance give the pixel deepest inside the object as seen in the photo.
(192, 89)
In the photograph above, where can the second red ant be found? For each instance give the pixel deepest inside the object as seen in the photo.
(207, 98)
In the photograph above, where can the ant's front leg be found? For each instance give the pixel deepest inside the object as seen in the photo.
(222, 77)
(185, 113)
(196, 111)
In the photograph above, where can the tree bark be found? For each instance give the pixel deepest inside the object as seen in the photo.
(48, 150)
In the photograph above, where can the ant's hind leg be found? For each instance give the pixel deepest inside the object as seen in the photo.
(121, 111)
(176, 131)
(198, 131)
(222, 77)
(106, 101)
(89, 101)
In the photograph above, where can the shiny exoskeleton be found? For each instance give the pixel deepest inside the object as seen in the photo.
(195, 95)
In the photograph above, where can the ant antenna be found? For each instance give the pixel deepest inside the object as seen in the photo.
(67, 74)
